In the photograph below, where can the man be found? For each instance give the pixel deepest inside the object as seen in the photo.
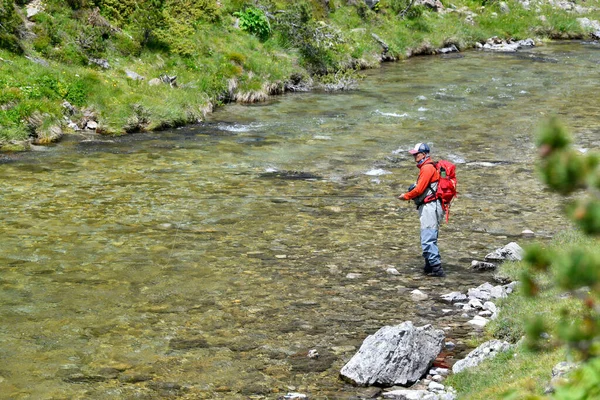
(430, 208)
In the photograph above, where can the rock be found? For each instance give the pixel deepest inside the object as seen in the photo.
(476, 303)
(510, 252)
(353, 275)
(450, 49)
(154, 82)
(482, 266)
(589, 24)
(483, 352)
(417, 295)
(134, 76)
(526, 43)
(406, 394)
(294, 396)
(91, 125)
(478, 294)
(454, 296)
(504, 9)
(34, 8)
(498, 292)
(435, 5)
(527, 233)
(371, 3)
(435, 387)
(313, 353)
(103, 63)
(394, 355)
(478, 321)
(392, 271)
(437, 378)
(450, 345)
(596, 35)
(489, 306)
(38, 60)
(563, 368)
(485, 313)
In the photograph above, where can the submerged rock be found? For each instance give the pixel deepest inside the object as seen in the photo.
(394, 355)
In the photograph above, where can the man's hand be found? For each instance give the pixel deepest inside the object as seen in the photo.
(402, 197)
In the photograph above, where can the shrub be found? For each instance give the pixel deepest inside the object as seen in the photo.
(254, 21)
(9, 27)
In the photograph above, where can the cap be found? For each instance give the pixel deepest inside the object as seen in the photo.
(420, 148)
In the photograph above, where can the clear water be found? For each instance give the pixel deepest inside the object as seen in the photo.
(189, 263)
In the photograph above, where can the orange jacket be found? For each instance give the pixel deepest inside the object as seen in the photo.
(427, 174)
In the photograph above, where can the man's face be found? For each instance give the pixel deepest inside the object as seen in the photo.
(419, 156)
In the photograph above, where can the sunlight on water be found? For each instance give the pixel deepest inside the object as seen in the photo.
(205, 262)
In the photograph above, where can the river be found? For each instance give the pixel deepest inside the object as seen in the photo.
(205, 262)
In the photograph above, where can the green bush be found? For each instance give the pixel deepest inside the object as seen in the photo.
(254, 21)
(9, 26)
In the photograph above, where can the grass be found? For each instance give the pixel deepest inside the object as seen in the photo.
(210, 55)
(523, 373)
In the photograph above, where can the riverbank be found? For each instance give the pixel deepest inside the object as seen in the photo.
(112, 83)
(527, 369)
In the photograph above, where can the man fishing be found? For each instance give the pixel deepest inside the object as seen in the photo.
(423, 193)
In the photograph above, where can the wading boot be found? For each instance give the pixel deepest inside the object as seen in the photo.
(427, 268)
(437, 271)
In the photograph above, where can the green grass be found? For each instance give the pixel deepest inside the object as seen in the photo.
(206, 52)
(523, 373)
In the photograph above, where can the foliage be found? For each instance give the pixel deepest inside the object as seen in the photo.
(9, 25)
(316, 41)
(254, 21)
(574, 269)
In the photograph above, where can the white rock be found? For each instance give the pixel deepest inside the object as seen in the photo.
(486, 287)
(478, 294)
(435, 387)
(454, 296)
(510, 252)
(498, 292)
(478, 321)
(527, 233)
(476, 303)
(485, 313)
(489, 306)
(353, 275)
(295, 396)
(92, 125)
(437, 378)
(406, 394)
(392, 271)
(485, 351)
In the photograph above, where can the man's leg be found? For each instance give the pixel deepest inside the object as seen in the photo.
(430, 216)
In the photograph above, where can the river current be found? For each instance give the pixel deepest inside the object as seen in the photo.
(205, 262)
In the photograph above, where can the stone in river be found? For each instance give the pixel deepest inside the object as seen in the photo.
(394, 355)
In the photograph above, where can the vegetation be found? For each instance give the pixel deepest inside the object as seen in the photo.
(557, 309)
(101, 55)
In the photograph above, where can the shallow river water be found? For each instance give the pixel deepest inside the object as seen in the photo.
(205, 262)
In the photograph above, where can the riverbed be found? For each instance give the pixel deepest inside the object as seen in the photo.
(205, 262)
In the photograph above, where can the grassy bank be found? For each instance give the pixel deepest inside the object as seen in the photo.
(106, 57)
(525, 372)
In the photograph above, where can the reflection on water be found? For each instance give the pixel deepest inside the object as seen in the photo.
(205, 262)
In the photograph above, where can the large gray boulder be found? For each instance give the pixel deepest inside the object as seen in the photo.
(394, 355)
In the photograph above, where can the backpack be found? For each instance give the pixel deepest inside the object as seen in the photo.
(446, 189)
